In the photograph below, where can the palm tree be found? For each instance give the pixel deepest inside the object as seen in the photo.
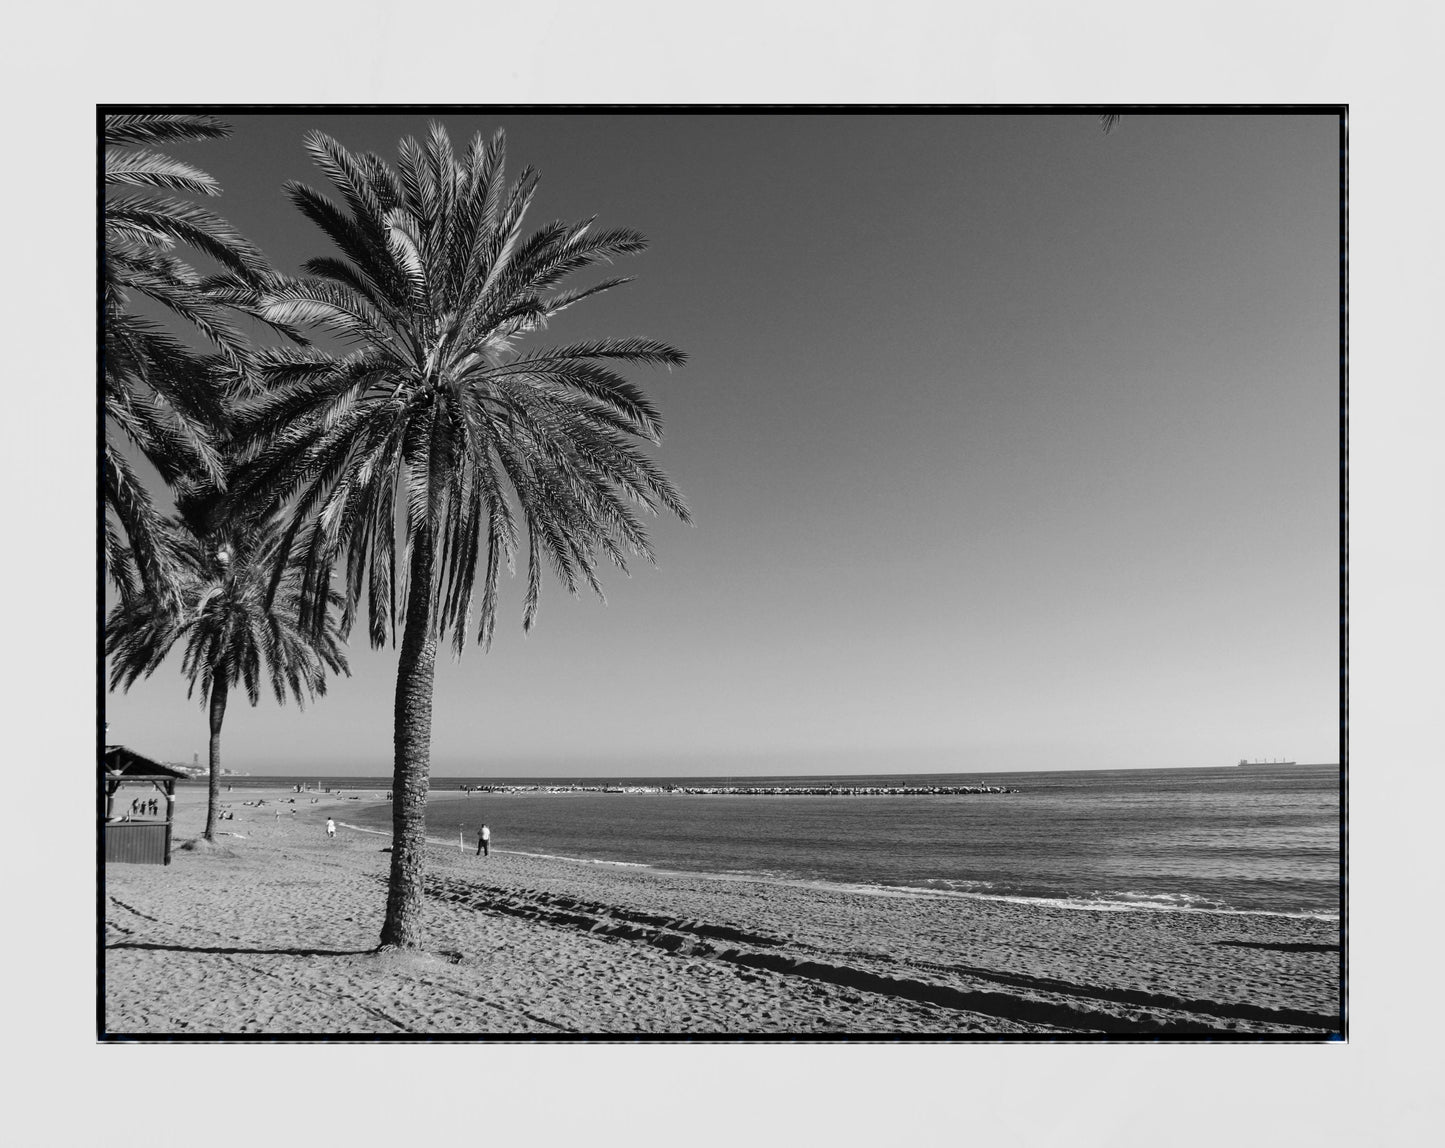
(439, 439)
(234, 624)
(159, 395)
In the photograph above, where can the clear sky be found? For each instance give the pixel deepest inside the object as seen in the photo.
(1011, 445)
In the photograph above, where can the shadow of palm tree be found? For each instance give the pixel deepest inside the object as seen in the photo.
(241, 952)
(1282, 946)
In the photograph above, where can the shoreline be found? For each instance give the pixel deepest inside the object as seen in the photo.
(274, 930)
(1072, 904)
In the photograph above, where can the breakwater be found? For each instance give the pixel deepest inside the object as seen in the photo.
(755, 790)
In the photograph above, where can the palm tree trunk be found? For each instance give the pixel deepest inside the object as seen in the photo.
(219, 687)
(411, 736)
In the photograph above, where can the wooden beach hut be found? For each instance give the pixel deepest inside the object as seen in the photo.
(140, 839)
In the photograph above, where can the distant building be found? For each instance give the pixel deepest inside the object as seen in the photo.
(191, 769)
(194, 770)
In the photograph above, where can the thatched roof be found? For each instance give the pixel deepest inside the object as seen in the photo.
(121, 762)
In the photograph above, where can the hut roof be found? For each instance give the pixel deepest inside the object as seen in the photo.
(122, 762)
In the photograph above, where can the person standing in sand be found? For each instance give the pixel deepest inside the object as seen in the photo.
(330, 827)
(484, 842)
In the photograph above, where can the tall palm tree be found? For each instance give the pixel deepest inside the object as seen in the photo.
(439, 438)
(233, 624)
(158, 394)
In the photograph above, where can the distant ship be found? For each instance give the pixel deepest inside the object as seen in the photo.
(1242, 761)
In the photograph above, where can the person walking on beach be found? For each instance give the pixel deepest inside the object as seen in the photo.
(330, 827)
(484, 842)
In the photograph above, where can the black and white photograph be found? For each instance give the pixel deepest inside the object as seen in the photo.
(765, 574)
(811, 574)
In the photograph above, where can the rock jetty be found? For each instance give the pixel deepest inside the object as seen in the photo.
(756, 790)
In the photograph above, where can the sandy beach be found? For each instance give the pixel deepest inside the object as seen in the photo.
(273, 929)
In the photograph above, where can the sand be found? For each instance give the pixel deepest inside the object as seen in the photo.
(273, 930)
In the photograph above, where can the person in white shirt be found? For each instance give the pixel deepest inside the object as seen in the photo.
(484, 842)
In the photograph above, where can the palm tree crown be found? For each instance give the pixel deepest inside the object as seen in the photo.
(438, 417)
(234, 629)
(158, 394)
(234, 626)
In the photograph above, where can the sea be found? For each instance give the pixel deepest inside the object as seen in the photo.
(1261, 839)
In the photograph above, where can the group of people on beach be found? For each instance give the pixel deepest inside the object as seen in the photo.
(150, 808)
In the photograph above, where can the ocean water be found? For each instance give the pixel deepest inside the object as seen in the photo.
(1256, 840)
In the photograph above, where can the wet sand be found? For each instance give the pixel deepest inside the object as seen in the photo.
(273, 929)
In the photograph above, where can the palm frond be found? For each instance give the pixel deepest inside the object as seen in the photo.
(357, 243)
(649, 351)
(125, 495)
(162, 127)
(151, 169)
(303, 302)
(564, 299)
(180, 222)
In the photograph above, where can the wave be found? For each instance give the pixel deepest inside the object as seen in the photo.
(959, 884)
(1158, 900)
(579, 860)
(1151, 903)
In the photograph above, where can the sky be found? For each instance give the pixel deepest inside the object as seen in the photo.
(1010, 445)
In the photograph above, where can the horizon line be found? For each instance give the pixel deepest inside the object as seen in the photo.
(499, 777)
